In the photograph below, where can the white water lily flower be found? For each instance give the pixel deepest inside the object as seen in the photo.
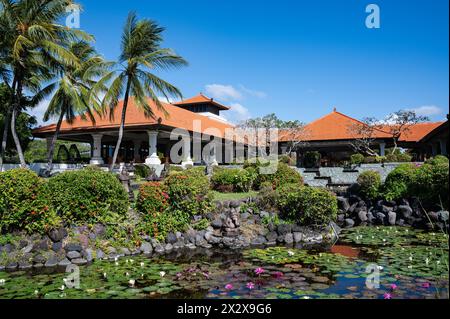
(427, 261)
(2, 281)
(162, 273)
(291, 253)
(116, 258)
(306, 297)
(438, 262)
(410, 258)
(36, 292)
(126, 261)
(380, 267)
(62, 287)
(127, 274)
(117, 264)
(132, 282)
(142, 264)
(410, 266)
(104, 275)
(142, 275)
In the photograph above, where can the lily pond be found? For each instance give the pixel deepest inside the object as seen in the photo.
(408, 263)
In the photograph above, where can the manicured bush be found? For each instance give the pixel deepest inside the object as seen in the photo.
(87, 196)
(233, 180)
(369, 184)
(404, 157)
(306, 205)
(152, 198)
(438, 159)
(141, 170)
(357, 159)
(312, 159)
(24, 203)
(398, 182)
(286, 159)
(189, 192)
(283, 175)
(430, 184)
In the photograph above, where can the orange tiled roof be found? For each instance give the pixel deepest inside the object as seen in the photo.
(201, 99)
(177, 118)
(336, 126)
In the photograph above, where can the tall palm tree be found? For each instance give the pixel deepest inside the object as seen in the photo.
(140, 53)
(73, 90)
(31, 41)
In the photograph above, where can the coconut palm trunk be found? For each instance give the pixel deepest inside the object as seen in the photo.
(51, 150)
(6, 126)
(122, 124)
(15, 109)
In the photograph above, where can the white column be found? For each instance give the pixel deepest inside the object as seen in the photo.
(213, 159)
(187, 152)
(443, 145)
(97, 150)
(152, 158)
(382, 149)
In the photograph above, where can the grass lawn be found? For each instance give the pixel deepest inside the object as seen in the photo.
(233, 196)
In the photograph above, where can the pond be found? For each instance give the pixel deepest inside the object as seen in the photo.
(410, 264)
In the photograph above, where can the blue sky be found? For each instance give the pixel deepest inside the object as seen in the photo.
(298, 59)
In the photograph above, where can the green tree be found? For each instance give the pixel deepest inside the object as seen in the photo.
(32, 41)
(73, 93)
(140, 53)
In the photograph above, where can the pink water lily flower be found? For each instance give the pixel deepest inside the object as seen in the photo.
(387, 296)
(250, 285)
(426, 285)
(228, 286)
(394, 286)
(259, 271)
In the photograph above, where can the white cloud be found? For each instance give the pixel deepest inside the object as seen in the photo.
(164, 99)
(223, 92)
(255, 93)
(237, 113)
(427, 110)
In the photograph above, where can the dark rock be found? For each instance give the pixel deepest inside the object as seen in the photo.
(99, 254)
(25, 265)
(343, 204)
(264, 214)
(434, 216)
(84, 240)
(370, 217)
(41, 245)
(159, 249)
(39, 259)
(352, 208)
(283, 229)
(57, 234)
(51, 262)
(73, 247)
(386, 209)
(298, 237)
(12, 266)
(168, 247)
(404, 211)
(349, 222)
(23, 243)
(289, 238)
(64, 263)
(400, 222)
(245, 216)
(88, 254)
(146, 248)
(28, 248)
(272, 236)
(57, 246)
(389, 203)
(171, 238)
(260, 240)
(341, 218)
(73, 254)
(271, 227)
(380, 218)
(443, 216)
(280, 238)
(362, 215)
(235, 204)
(392, 217)
(217, 223)
(79, 261)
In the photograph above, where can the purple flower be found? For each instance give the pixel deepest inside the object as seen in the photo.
(393, 287)
(228, 286)
(250, 285)
(426, 285)
(259, 271)
(387, 296)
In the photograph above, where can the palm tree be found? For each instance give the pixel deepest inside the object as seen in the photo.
(73, 93)
(32, 40)
(140, 53)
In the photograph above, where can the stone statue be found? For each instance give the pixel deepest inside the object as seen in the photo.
(124, 178)
(152, 177)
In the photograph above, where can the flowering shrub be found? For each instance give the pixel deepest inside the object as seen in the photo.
(87, 196)
(152, 198)
(306, 205)
(24, 203)
(369, 184)
(189, 192)
(233, 180)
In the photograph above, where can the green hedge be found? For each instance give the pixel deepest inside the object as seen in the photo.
(306, 205)
(398, 182)
(24, 203)
(357, 159)
(369, 184)
(141, 170)
(87, 196)
(233, 180)
(282, 176)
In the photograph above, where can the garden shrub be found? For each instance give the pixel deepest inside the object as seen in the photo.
(369, 184)
(398, 182)
(189, 192)
(430, 184)
(438, 159)
(152, 198)
(312, 159)
(141, 170)
(404, 157)
(357, 159)
(233, 180)
(283, 175)
(87, 196)
(286, 159)
(306, 205)
(24, 203)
